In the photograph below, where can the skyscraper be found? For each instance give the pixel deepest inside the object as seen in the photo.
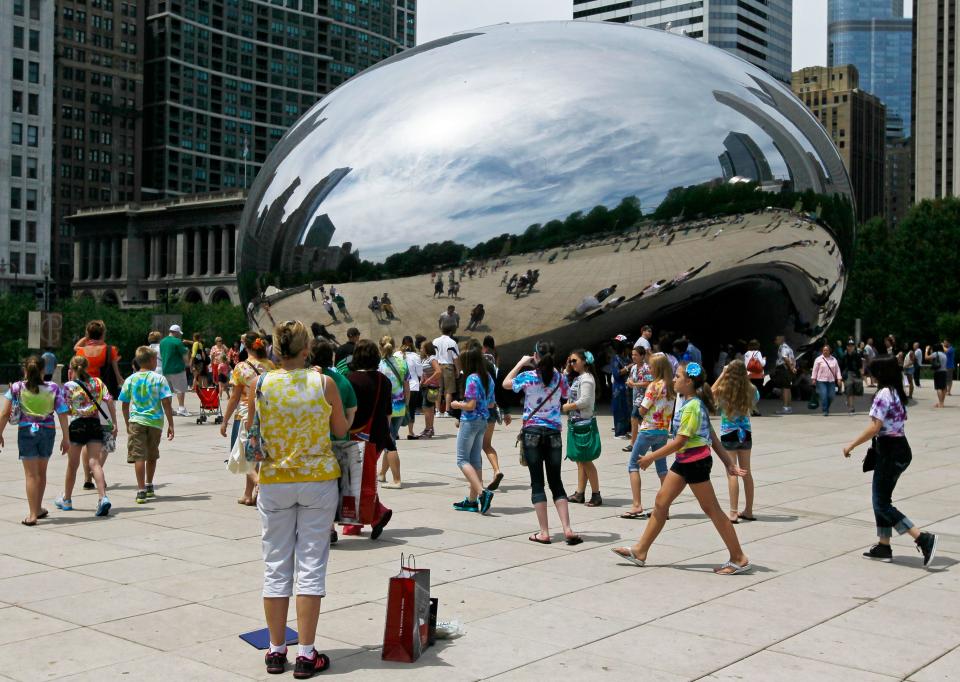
(26, 140)
(935, 74)
(98, 108)
(855, 120)
(760, 31)
(874, 36)
(224, 79)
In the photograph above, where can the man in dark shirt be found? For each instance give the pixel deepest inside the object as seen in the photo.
(346, 350)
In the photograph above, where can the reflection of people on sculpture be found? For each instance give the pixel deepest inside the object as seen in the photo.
(512, 284)
(586, 305)
(375, 307)
(506, 275)
(449, 318)
(476, 317)
(438, 288)
(341, 304)
(328, 306)
(387, 305)
(604, 293)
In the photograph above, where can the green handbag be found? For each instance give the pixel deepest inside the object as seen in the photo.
(583, 441)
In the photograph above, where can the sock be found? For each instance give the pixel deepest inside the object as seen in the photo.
(305, 650)
(278, 648)
(141, 490)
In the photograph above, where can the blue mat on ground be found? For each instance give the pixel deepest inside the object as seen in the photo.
(261, 638)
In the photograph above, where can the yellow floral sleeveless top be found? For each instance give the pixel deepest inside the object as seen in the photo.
(295, 425)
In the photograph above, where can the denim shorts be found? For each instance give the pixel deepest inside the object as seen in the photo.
(470, 443)
(647, 441)
(35, 444)
(732, 442)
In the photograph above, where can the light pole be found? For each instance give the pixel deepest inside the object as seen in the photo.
(46, 287)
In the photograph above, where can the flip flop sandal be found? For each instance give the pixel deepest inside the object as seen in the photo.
(636, 515)
(734, 521)
(575, 540)
(495, 483)
(28, 523)
(43, 514)
(736, 569)
(536, 538)
(628, 556)
(747, 518)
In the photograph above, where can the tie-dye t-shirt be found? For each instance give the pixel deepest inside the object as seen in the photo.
(889, 410)
(395, 369)
(295, 426)
(534, 392)
(640, 374)
(37, 409)
(740, 424)
(691, 420)
(484, 396)
(81, 406)
(145, 391)
(659, 408)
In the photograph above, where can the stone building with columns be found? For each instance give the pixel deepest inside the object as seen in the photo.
(140, 254)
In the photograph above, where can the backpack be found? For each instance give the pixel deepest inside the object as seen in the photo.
(935, 361)
(754, 366)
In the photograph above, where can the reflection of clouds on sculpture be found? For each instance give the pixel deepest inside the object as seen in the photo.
(521, 124)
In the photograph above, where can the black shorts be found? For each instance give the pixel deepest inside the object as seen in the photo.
(940, 380)
(694, 472)
(86, 430)
(731, 441)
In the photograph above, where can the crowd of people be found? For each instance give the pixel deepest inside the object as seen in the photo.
(303, 410)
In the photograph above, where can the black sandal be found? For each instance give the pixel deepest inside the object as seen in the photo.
(575, 540)
(536, 538)
(595, 500)
(495, 483)
(576, 498)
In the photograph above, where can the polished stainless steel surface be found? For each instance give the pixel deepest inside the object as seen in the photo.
(491, 131)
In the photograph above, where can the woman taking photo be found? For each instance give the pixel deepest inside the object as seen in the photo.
(736, 396)
(656, 413)
(826, 375)
(394, 367)
(691, 442)
(88, 400)
(40, 405)
(243, 385)
(890, 456)
(544, 389)
(756, 366)
(474, 411)
(299, 410)
(579, 410)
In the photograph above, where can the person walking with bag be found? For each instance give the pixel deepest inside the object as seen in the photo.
(938, 363)
(35, 406)
(826, 374)
(394, 367)
(888, 458)
(299, 410)
(736, 397)
(243, 383)
(583, 436)
(86, 396)
(851, 369)
(478, 397)
(756, 366)
(541, 446)
(429, 386)
(691, 442)
(656, 413)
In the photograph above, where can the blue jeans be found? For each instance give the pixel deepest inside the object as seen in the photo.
(35, 444)
(826, 390)
(621, 411)
(470, 443)
(893, 458)
(648, 441)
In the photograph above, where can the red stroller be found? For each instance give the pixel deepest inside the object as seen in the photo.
(209, 404)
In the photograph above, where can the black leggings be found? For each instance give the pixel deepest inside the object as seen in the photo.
(543, 449)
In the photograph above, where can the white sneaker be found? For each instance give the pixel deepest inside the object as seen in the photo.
(182, 412)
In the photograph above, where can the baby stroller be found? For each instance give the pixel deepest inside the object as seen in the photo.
(209, 404)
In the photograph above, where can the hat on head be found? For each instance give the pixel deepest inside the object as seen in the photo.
(175, 328)
(620, 337)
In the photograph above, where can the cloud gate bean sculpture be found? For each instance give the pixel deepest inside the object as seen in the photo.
(576, 179)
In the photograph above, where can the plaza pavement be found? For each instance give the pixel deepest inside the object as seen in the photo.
(163, 590)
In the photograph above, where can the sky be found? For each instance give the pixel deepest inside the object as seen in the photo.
(439, 18)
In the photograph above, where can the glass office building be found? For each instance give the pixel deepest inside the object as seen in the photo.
(224, 79)
(874, 36)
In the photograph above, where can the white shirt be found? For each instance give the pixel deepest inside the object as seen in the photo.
(416, 369)
(643, 342)
(785, 353)
(447, 350)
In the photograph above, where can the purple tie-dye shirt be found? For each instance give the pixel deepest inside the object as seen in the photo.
(889, 410)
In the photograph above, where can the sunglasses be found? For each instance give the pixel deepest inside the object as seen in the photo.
(572, 361)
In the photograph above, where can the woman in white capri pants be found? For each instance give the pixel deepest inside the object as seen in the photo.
(299, 409)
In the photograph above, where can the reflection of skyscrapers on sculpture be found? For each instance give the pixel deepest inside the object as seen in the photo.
(744, 159)
(516, 130)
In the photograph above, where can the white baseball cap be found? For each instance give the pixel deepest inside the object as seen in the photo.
(175, 328)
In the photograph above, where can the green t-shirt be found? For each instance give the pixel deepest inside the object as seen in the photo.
(172, 351)
(347, 395)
